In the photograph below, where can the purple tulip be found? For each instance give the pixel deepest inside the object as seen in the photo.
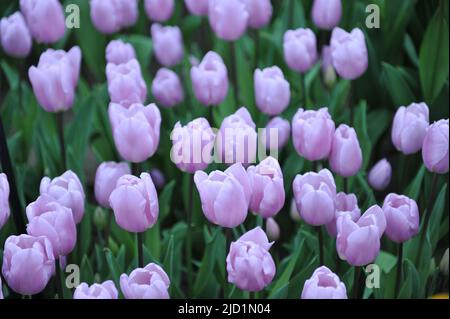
(135, 130)
(15, 36)
(167, 88)
(228, 18)
(168, 44)
(118, 52)
(272, 229)
(312, 133)
(210, 80)
(435, 147)
(314, 196)
(349, 52)
(110, 16)
(150, 282)
(197, 7)
(409, 127)
(105, 290)
(300, 49)
(45, 19)
(55, 78)
(125, 83)
(129, 12)
(374, 215)
(249, 264)
(324, 284)
(266, 180)
(159, 10)
(346, 155)
(192, 145)
(326, 14)
(345, 205)
(272, 91)
(276, 133)
(67, 191)
(28, 263)
(158, 178)
(402, 217)
(380, 175)
(4, 196)
(260, 12)
(106, 179)
(135, 203)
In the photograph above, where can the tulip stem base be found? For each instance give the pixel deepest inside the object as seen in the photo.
(58, 281)
(62, 144)
(140, 250)
(356, 282)
(398, 278)
(320, 238)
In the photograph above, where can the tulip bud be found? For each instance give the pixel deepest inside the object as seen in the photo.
(210, 80)
(349, 53)
(67, 191)
(345, 204)
(346, 155)
(158, 178)
(197, 7)
(312, 133)
(435, 147)
(272, 229)
(4, 197)
(443, 265)
(129, 12)
(100, 218)
(300, 49)
(168, 44)
(150, 282)
(45, 19)
(328, 72)
(249, 264)
(135, 130)
(192, 145)
(228, 18)
(105, 290)
(260, 12)
(106, 178)
(324, 284)
(380, 175)
(314, 195)
(135, 203)
(272, 91)
(402, 217)
(118, 52)
(293, 212)
(125, 83)
(167, 88)
(110, 16)
(28, 263)
(276, 133)
(15, 36)
(159, 10)
(326, 14)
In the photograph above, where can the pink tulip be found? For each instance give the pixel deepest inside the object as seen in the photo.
(324, 284)
(105, 290)
(435, 147)
(380, 175)
(272, 91)
(326, 14)
(228, 18)
(345, 205)
(300, 49)
(150, 282)
(167, 88)
(168, 44)
(260, 12)
(158, 178)
(402, 217)
(15, 36)
(4, 197)
(346, 155)
(159, 10)
(197, 7)
(118, 52)
(106, 179)
(276, 133)
(109, 16)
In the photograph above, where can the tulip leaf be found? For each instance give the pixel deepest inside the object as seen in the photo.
(396, 85)
(362, 132)
(165, 200)
(297, 282)
(436, 217)
(413, 189)
(11, 75)
(87, 272)
(114, 268)
(410, 282)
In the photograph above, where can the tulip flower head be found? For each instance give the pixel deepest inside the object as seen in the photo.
(4, 197)
(106, 179)
(380, 175)
(402, 217)
(326, 14)
(272, 91)
(435, 147)
(300, 49)
(324, 284)
(167, 88)
(276, 133)
(159, 10)
(150, 282)
(228, 18)
(346, 154)
(345, 204)
(168, 44)
(105, 290)
(119, 52)
(15, 36)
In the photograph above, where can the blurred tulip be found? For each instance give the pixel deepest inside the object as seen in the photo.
(346, 155)
(324, 284)
(272, 229)
(167, 88)
(380, 175)
(272, 91)
(168, 44)
(129, 12)
(345, 204)
(15, 36)
(326, 14)
(159, 10)
(106, 178)
(158, 178)
(402, 217)
(228, 18)
(118, 52)
(435, 147)
(328, 72)
(109, 16)
(197, 7)
(300, 49)
(4, 197)
(374, 215)
(276, 133)
(260, 12)
(150, 282)
(105, 290)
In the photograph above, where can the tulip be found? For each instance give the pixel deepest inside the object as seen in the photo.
(349, 53)
(228, 18)
(106, 179)
(15, 36)
(345, 204)
(48, 218)
(402, 217)
(329, 74)
(55, 78)
(276, 133)
(224, 195)
(125, 83)
(326, 14)
(150, 282)
(435, 147)
(374, 215)
(67, 191)
(159, 10)
(272, 91)
(312, 133)
(249, 264)
(380, 175)
(346, 155)
(410, 127)
(158, 178)
(197, 7)
(193, 145)
(260, 12)
(210, 80)
(4, 196)
(118, 52)
(135, 130)
(110, 16)
(300, 49)
(324, 284)
(167, 88)
(314, 195)
(168, 44)
(128, 10)
(237, 138)
(266, 180)
(105, 290)
(272, 229)
(28, 263)
(135, 203)
(45, 19)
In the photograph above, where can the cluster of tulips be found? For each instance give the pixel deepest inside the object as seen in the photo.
(30, 260)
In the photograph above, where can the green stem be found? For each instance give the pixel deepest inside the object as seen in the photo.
(320, 237)
(58, 281)
(234, 71)
(140, 250)
(303, 89)
(399, 269)
(62, 144)
(256, 38)
(356, 283)
(189, 233)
